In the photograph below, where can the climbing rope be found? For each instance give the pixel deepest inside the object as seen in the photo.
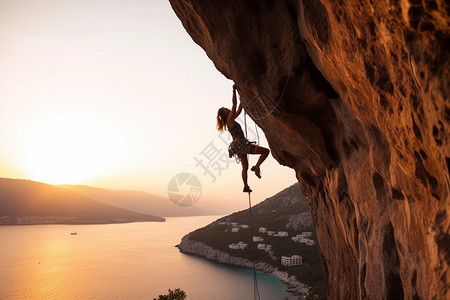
(256, 128)
(255, 280)
(286, 83)
(245, 124)
(257, 134)
(413, 73)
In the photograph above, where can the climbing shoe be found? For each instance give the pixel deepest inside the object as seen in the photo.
(247, 189)
(257, 171)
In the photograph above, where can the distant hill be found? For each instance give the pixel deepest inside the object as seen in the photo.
(142, 202)
(30, 202)
(287, 211)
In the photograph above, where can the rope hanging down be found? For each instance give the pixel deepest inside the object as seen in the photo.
(255, 280)
(256, 128)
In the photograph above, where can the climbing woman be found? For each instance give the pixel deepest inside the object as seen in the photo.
(240, 146)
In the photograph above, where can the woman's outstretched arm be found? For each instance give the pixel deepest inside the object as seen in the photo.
(232, 114)
(239, 110)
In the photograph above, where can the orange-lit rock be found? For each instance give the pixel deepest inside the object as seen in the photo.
(364, 121)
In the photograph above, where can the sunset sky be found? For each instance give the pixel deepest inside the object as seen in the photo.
(114, 94)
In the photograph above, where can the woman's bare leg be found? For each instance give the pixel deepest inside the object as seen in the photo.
(264, 154)
(244, 162)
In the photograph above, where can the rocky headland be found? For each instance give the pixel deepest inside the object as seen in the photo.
(276, 221)
(189, 246)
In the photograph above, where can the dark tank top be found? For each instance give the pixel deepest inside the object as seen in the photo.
(236, 131)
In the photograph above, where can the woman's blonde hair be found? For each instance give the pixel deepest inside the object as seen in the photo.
(221, 122)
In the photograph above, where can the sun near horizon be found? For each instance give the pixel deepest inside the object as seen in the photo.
(71, 150)
(114, 97)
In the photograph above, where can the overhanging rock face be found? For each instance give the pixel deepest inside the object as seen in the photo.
(364, 121)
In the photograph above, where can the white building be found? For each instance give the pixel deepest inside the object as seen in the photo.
(294, 260)
(262, 229)
(257, 239)
(268, 247)
(241, 245)
(282, 233)
(235, 229)
(244, 226)
(270, 232)
(307, 234)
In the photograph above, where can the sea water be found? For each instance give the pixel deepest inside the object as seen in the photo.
(118, 261)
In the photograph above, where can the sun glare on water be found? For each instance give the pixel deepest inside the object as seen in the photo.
(71, 150)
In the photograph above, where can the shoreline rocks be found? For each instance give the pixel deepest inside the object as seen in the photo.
(200, 249)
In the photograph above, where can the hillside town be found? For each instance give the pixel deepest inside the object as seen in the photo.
(294, 260)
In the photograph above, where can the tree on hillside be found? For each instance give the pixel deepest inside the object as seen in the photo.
(176, 294)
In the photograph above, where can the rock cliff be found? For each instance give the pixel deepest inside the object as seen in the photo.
(353, 95)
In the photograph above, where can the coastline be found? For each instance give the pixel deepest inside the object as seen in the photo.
(64, 220)
(200, 249)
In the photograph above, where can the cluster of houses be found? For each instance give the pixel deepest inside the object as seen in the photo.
(236, 246)
(261, 246)
(304, 238)
(273, 233)
(265, 247)
(234, 226)
(294, 260)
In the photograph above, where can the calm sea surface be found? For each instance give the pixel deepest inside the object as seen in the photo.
(117, 261)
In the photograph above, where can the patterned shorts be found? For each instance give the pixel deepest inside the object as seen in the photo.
(240, 148)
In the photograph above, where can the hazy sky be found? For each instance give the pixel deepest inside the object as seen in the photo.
(115, 94)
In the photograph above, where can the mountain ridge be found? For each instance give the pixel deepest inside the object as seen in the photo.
(31, 202)
(138, 201)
